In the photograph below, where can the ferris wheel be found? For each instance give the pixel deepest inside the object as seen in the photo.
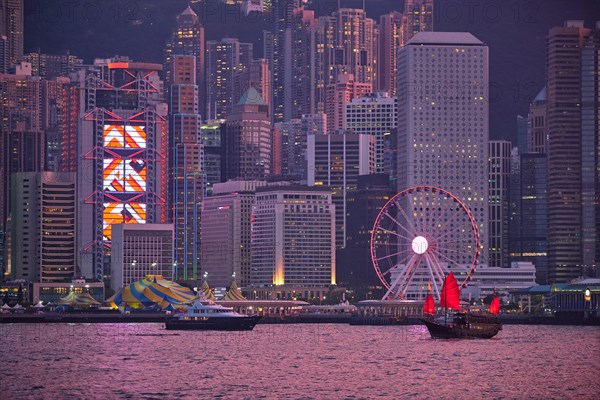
(419, 235)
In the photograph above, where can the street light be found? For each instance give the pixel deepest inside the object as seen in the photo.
(587, 294)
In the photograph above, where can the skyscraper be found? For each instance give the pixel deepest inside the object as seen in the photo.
(536, 125)
(43, 226)
(396, 29)
(443, 80)
(373, 114)
(188, 39)
(248, 138)
(11, 31)
(499, 172)
(590, 153)
(280, 256)
(277, 45)
(528, 214)
(336, 161)
(226, 235)
(224, 60)
(340, 93)
(21, 140)
(564, 64)
(188, 183)
(122, 167)
(257, 75)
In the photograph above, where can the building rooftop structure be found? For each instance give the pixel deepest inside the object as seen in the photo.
(445, 38)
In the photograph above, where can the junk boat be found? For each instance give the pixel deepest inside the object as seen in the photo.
(200, 316)
(462, 324)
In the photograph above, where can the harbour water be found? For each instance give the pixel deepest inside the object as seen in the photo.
(105, 361)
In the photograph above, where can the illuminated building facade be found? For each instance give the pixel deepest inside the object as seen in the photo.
(336, 161)
(43, 226)
(11, 31)
(374, 114)
(224, 60)
(187, 39)
(51, 66)
(188, 183)
(442, 141)
(281, 257)
(499, 172)
(122, 154)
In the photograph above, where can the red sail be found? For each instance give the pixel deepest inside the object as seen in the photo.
(450, 297)
(495, 306)
(429, 305)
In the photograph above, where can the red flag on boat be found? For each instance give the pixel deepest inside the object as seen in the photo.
(495, 306)
(429, 305)
(450, 297)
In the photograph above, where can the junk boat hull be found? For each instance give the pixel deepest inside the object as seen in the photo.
(464, 327)
(213, 324)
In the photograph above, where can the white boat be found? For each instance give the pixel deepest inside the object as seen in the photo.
(210, 316)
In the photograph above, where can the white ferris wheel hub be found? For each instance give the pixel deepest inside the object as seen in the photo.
(419, 245)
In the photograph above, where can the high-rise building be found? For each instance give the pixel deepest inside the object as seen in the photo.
(499, 172)
(280, 255)
(122, 168)
(258, 76)
(354, 265)
(528, 214)
(21, 141)
(536, 125)
(344, 43)
(43, 226)
(291, 138)
(277, 44)
(443, 130)
(340, 93)
(373, 114)
(11, 31)
(390, 40)
(188, 39)
(395, 30)
(417, 17)
(248, 138)
(590, 153)
(188, 180)
(225, 58)
(336, 161)
(226, 238)
(215, 159)
(51, 66)
(140, 250)
(564, 90)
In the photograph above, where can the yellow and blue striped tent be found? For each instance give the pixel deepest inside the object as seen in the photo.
(153, 290)
(234, 293)
(78, 300)
(209, 294)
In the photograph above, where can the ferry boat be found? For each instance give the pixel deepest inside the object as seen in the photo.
(200, 316)
(462, 324)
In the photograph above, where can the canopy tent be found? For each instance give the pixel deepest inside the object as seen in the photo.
(39, 305)
(153, 290)
(78, 300)
(209, 294)
(234, 293)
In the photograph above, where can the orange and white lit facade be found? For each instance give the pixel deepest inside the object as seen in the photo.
(123, 153)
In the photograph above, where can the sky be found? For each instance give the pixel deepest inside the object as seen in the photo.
(514, 30)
